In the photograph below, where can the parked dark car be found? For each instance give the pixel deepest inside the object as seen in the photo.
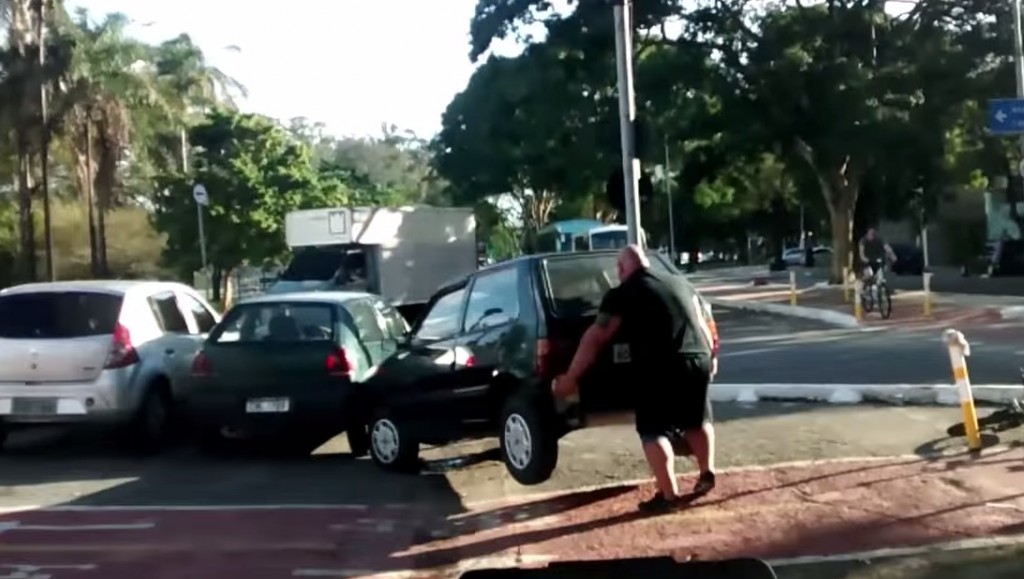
(909, 259)
(286, 367)
(480, 361)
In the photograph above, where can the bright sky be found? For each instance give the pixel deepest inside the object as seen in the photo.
(351, 64)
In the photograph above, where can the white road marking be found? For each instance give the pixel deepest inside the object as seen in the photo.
(16, 526)
(498, 561)
(964, 545)
(26, 571)
(7, 510)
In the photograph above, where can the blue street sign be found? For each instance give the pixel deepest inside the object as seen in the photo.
(1006, 116)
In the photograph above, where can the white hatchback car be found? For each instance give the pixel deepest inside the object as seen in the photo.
(111, 352)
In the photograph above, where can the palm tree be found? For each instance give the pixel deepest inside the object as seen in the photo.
(109, 87)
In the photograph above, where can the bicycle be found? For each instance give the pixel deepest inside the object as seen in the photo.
(876, 290)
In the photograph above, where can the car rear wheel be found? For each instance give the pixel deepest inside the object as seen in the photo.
(151, 428)
(392, 446)
(528, 440)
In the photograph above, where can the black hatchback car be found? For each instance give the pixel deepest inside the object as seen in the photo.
(480, 360)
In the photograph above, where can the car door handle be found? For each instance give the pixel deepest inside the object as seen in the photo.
(169, 352)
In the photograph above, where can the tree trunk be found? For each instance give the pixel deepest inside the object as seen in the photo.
(26, 223)
(841, 217)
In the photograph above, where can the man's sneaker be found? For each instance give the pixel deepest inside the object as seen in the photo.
(659, 504)
(705, 484)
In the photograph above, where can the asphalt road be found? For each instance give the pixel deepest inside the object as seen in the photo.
(762, 348)
(86, 468)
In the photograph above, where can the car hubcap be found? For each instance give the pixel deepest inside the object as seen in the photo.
(385, 440)
(518, 443)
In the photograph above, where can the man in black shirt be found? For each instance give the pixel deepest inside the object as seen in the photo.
(659, 325)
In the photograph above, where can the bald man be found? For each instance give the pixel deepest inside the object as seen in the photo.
(660, 325)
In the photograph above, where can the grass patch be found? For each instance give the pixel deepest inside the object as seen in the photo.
(993, 563)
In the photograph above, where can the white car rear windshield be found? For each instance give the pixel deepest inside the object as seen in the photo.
(55, 315)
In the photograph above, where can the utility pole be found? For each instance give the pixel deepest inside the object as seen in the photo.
(668, 196)
(627, 115)
(1018, 61)
(44, 142)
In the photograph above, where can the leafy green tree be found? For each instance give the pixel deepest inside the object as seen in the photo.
(255, 173)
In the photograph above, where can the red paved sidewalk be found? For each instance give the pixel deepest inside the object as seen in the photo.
(818, 509)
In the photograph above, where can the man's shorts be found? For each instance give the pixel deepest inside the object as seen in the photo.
(680, 403)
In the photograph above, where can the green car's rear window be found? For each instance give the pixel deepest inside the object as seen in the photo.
(276, 322)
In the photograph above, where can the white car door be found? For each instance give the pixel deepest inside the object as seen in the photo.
(201, 318)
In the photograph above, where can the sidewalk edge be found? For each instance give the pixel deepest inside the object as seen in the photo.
(920, 394)
(831, 317)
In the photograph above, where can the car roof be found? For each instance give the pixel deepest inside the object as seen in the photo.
(516, 261)
(335, 297)
(112, 286)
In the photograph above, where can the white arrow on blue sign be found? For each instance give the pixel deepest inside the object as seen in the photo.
(1006, 116)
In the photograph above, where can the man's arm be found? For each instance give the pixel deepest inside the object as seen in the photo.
(889, 252)
(860, 250)
(597, 336)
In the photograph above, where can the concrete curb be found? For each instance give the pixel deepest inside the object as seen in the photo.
(923, 394)
(831, 317)
(1012, 313)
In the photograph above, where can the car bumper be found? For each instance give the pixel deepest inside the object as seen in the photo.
(99, 401)
(314, 410)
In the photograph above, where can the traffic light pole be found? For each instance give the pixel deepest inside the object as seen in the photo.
(627, 116)
(1018, 66)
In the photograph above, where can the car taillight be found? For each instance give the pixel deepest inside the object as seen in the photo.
(201, 365)
(338, 363)
(543, 357)
(122, 353)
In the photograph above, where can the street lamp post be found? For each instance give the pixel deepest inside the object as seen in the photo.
(627, 115)
(44, 142)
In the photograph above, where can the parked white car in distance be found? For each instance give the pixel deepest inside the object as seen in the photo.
(112, 352)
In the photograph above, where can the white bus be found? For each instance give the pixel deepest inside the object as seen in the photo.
(611, 237)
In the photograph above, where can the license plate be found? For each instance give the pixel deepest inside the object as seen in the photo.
(267, 405)
(34, 406)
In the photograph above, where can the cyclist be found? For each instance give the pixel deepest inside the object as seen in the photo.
(874, 252)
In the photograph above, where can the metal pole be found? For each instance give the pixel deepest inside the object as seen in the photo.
(671, 220)
(44, 153)
(627, 117)
(1018, 58)
(202, 234)
(184, 151)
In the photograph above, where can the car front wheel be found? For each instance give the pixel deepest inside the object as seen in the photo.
(392, 446)
(529, 441)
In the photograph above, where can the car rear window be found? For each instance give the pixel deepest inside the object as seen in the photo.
(577, 284)
(276, 322)
(54, 315)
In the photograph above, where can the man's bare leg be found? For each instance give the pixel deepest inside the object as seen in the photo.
(702, 444)
(661, 458)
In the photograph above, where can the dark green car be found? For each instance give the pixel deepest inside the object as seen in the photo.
(288, 368)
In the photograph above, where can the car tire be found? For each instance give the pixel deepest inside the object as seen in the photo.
(151, 428)
(528, 440)
(358, 440)
(3, 435)
(392, 446)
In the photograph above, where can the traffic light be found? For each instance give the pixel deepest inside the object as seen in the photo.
(615, 189)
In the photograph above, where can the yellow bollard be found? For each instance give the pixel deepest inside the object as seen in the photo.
(858, 310)
(927, 277)
(959, 350)
(846, 284)
(792, 288)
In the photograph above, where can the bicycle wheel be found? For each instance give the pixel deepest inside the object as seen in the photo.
(867, 300)
(884, 302)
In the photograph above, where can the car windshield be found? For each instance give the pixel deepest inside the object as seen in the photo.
(50, 315)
